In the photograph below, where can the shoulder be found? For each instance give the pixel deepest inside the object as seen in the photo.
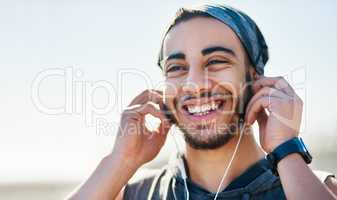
(140, 184)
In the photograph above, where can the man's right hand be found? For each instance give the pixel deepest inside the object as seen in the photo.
(135, 144)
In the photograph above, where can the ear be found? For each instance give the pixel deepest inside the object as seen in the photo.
(253, 74)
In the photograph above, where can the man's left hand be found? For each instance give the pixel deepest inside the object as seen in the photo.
(275, 95)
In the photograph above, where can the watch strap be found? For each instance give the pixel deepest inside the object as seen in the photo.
(294, 145)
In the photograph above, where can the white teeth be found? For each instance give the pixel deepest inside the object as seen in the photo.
(214, 106)
(203, 109)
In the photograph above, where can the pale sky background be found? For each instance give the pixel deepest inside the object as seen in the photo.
(98, 39)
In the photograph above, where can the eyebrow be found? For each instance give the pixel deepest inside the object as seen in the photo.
(177, 55)
(204, 52)
(212, 49)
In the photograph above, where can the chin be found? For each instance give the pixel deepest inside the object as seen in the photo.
(207, 142)
(208, 139)
(207, 122)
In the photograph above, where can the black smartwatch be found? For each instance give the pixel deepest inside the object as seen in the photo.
(294, 145)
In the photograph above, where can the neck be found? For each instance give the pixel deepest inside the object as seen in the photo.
(206, 167)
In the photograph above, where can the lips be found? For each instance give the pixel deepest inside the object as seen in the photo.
(204, 108)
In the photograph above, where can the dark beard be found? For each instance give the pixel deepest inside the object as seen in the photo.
(213, 142)
(219, 139)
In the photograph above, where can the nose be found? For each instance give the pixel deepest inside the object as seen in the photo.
(196, 82)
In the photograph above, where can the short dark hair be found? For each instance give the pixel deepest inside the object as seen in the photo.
(243, 26)
(183, 14)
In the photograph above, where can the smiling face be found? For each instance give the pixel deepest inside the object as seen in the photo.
(205, 65)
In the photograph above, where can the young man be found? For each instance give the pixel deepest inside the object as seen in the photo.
(213, 58)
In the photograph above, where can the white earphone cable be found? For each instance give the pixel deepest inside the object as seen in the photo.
(230, 162)
(182, 168)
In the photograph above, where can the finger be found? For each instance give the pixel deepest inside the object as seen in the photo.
(139, 98)
(156, 138)
(138, 111)
(148, 95)
(259, 105)
(276, 82)
(266, 91)
(158, 91)
(262, 118)
(162, 131)
(165, 126)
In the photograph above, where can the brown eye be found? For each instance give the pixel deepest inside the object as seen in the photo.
(212, 62)
(175, 68)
